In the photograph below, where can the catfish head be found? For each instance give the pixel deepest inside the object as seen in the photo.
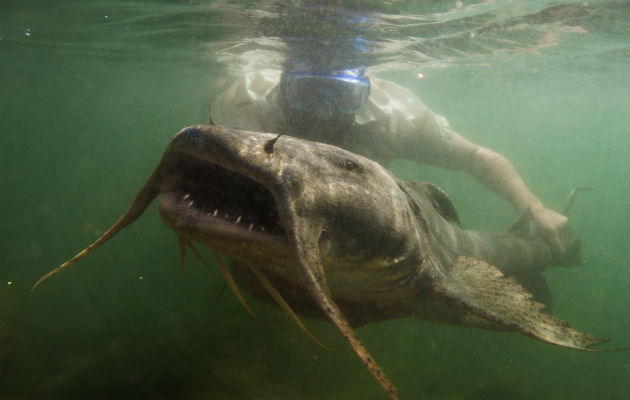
(271, 205)
(308, 211)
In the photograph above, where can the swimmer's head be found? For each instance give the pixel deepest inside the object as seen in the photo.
(329, 97)
(325, 92)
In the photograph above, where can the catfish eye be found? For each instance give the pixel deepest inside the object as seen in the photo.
(350, 165)
(342, 161)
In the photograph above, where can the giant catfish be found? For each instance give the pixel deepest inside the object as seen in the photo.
(364, 245)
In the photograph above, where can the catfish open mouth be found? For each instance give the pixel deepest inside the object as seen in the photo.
(207, 197)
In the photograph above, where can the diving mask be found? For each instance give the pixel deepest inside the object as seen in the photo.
(342, 89)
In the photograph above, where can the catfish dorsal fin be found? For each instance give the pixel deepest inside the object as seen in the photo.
(439, 199)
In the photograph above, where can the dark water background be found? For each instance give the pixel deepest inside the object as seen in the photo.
(93, 91)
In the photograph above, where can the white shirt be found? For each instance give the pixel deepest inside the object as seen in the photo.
(392, 123)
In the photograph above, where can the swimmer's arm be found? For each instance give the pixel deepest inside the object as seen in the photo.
(496, 173)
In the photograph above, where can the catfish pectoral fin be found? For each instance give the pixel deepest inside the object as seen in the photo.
(324, 298)
(483, 290)
(315, 280)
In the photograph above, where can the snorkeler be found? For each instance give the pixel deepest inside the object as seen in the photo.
(343, 106)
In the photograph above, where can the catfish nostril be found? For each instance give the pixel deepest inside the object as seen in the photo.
(268, 146)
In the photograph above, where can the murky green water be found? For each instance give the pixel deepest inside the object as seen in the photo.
(92, 93)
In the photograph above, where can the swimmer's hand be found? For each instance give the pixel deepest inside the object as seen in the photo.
(553, 227)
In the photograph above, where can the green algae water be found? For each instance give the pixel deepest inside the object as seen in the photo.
(92, 92)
